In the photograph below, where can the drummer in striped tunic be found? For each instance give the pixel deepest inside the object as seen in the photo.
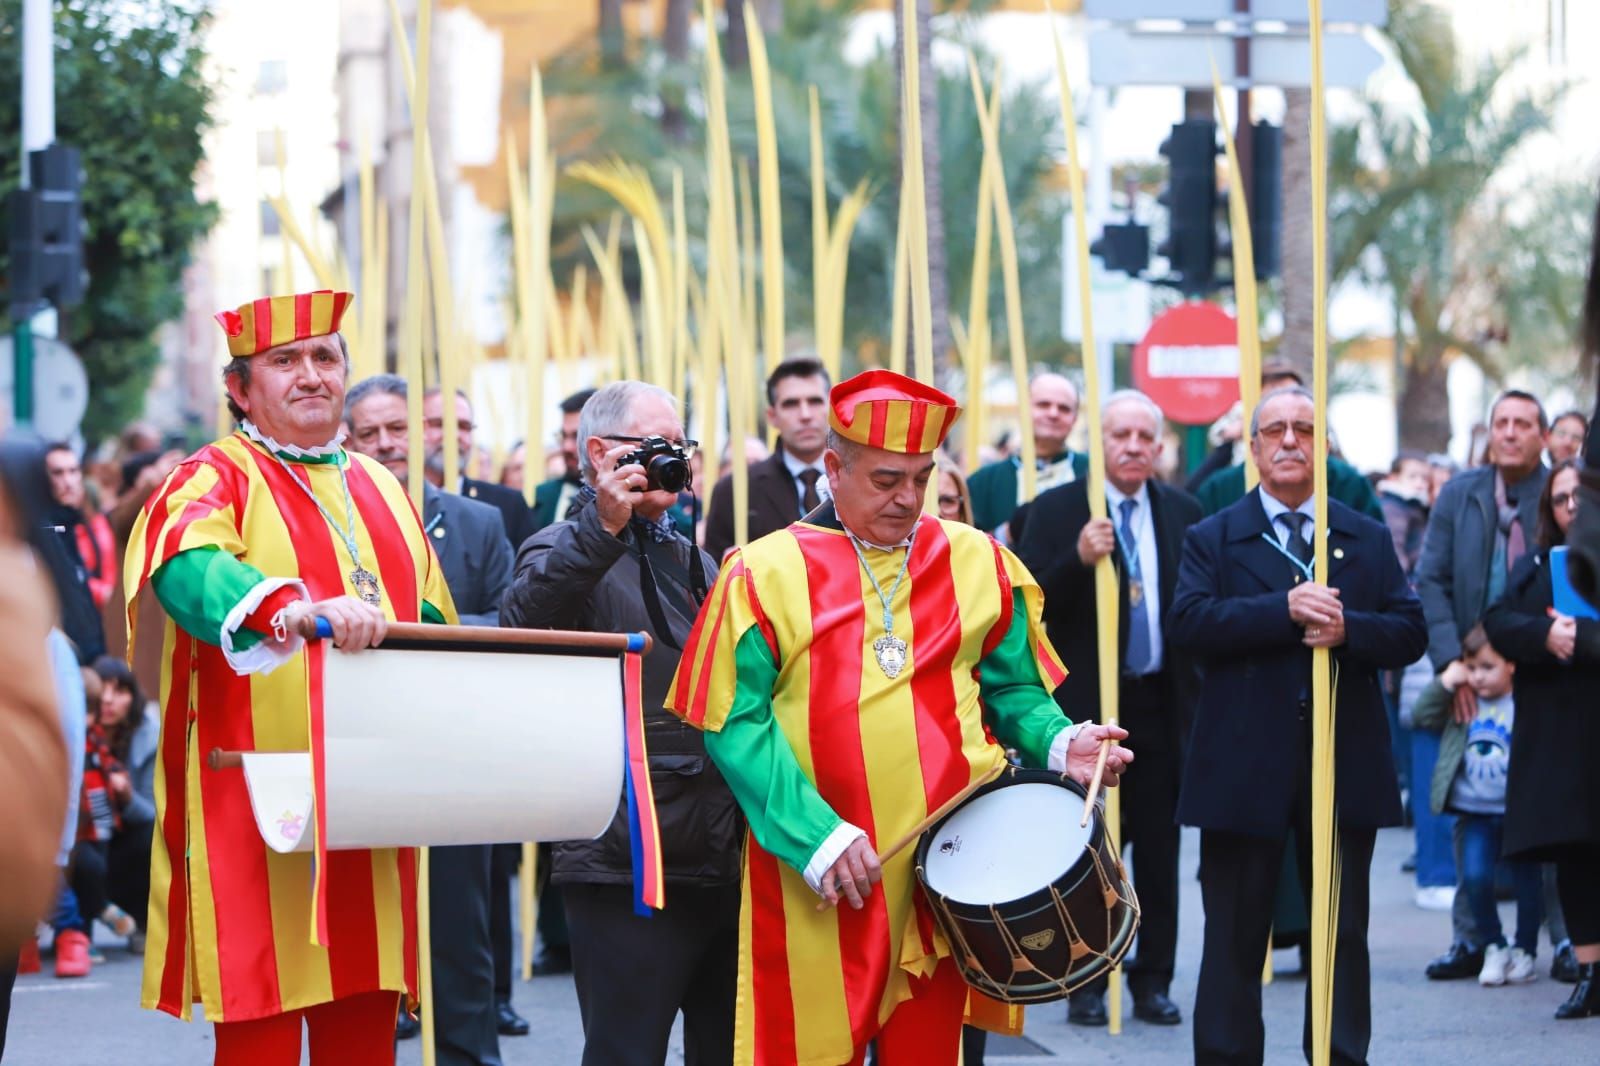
(246, 539)
(853, 673)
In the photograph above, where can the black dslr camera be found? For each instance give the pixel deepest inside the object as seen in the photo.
(666, 466)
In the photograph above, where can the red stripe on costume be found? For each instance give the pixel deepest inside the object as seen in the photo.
(406, 862)
(833, 577)
(174, 827)
(353, 954)
(916, 420)
(762, 621)
(302, 317)
(247, 959)
(878, 428)
(950, 415)
(263, 320)
(774, 1035)
(155, 524)
(997, 633)
(936, 635)
(707, 654)
(394, 562)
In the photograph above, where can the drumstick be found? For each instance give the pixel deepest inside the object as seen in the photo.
(927, 823)
(1094, 783)
(313, 627)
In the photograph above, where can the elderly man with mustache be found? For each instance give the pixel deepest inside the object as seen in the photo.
(1248, 607)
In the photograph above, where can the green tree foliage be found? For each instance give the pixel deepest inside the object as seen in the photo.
(600, 112)
(1415, 208)
(131, 96)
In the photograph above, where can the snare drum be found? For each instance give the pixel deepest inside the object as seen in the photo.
(1033, 905)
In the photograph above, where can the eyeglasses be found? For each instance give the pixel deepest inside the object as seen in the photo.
(1564, 499)
(949, 503)
(1275, 431)
(689, 447)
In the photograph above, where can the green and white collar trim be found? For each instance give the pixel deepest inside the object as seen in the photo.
(322, 453)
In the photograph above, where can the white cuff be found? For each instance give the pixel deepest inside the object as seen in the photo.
(828, 853)
(270, 652)
(1058, 747)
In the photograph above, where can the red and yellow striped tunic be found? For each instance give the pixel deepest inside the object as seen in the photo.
(796, 613)
(230, 920)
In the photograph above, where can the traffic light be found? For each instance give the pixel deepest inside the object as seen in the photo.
(1191, 202)
(1266, 199)
(1124, 246)
(46, 231)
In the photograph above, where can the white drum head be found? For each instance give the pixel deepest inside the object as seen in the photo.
(1007, 843)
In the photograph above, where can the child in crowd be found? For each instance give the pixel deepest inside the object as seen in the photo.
(1469, 781)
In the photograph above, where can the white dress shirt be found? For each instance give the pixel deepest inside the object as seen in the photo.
(1275, 507)
(795, 466)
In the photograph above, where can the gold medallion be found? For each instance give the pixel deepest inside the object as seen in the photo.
(1135, 592)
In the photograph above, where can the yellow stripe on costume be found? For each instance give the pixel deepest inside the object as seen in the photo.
(321, 313)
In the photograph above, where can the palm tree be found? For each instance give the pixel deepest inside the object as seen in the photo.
(1410, 209)
(928, 106)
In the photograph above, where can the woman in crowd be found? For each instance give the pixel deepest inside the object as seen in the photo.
(955, 502)
(1553, 794)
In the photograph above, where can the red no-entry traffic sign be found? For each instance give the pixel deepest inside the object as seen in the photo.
(1188, 363)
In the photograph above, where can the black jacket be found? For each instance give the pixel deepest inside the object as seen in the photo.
(514, 510)
(1249, 749)
(575, 575)
(1049, 549)
(774, 503)
(1553, 793)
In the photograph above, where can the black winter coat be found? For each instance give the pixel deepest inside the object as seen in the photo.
(575, 575)
(1553, 792)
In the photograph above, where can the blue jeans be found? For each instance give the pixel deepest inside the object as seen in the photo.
(67, 914)
(1436, 865)
(1480, 851)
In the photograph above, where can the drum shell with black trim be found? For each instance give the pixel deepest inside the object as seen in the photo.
(1091, 897)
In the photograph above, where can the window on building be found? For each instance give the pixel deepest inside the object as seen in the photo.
(267, 148)
(270, 226)
(272, 76)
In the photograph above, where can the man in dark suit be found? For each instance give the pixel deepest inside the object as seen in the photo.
(1144, 537)
(514, 510)
(790, 483)
(552, 498)
(1482, 522)
(1246, 606)
(996, 488)
(470, 540)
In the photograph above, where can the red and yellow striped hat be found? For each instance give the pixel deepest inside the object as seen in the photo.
(274, 320)
(882, 409)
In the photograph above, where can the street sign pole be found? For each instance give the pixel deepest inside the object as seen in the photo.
(38, 131)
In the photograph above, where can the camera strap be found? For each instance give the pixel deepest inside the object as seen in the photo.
(692, 582)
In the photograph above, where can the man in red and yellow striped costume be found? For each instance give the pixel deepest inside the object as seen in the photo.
(248, 538)
(853, 672)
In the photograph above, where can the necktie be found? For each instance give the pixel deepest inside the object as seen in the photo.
(808, 496)
(1298, 545)
(1136, 661)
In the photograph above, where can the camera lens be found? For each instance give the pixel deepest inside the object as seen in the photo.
(668, 473)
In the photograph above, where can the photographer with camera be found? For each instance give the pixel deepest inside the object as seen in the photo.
(617, 564)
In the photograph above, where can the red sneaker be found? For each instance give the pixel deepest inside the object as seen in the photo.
(28, 960)
(72, 954)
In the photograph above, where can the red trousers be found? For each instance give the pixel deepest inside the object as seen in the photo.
(925, 1030)
(355, 1031)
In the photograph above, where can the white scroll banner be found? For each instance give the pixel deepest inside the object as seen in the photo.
(428, 747)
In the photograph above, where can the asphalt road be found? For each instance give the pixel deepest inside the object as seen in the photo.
(97, 1020)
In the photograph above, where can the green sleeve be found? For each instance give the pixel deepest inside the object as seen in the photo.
(200, 586)
(788, 816)
(1016, 706)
